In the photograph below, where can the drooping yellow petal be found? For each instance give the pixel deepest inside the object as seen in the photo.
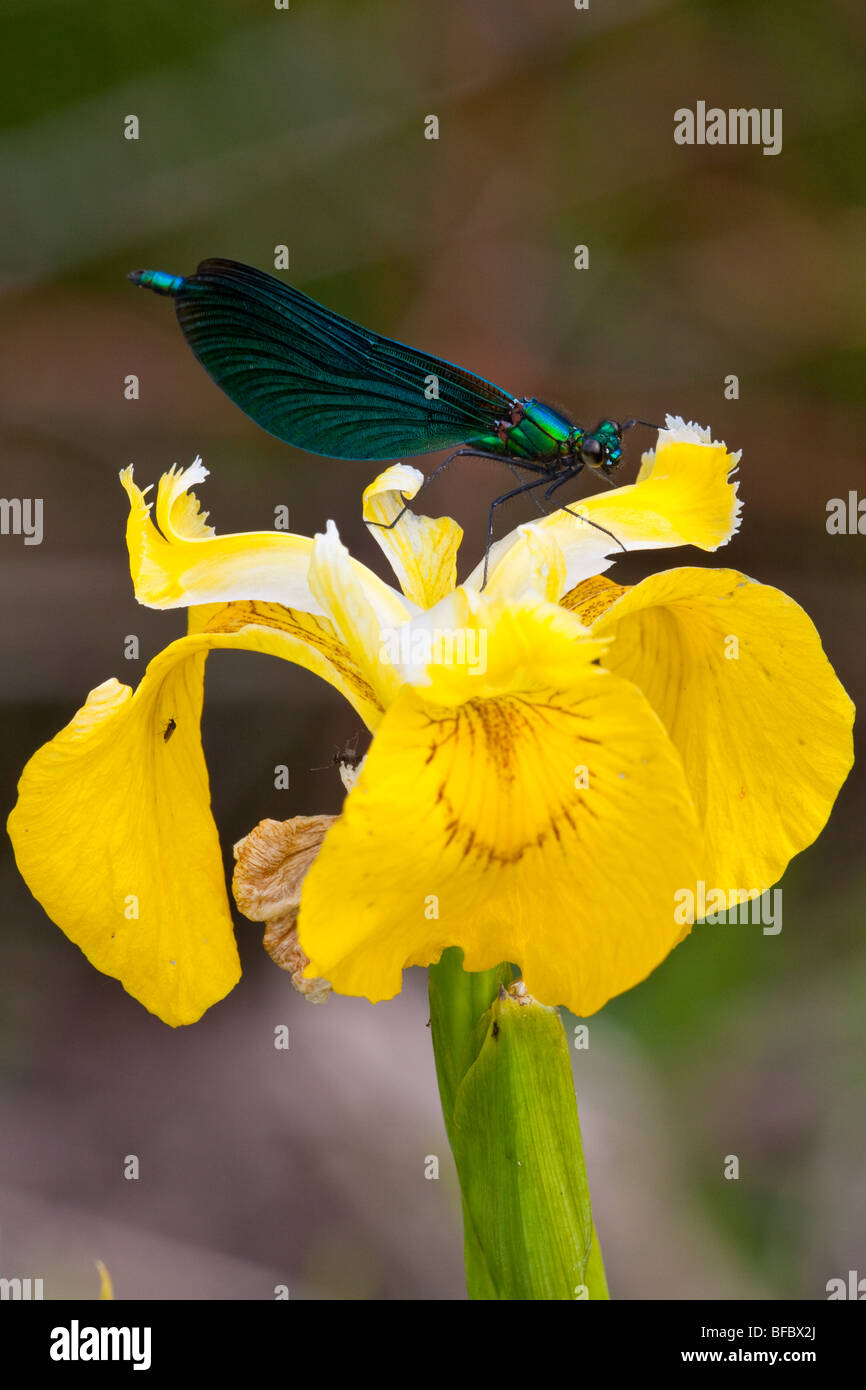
(548, 826)
(113, 830)
(113, 834)
(683, 496)
(422, 550)
(737, 674)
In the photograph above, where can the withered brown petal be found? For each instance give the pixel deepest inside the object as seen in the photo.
(271, 865)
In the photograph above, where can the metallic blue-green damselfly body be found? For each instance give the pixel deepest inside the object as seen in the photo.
(318, 381)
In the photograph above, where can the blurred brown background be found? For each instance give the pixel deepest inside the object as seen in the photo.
(305, 127)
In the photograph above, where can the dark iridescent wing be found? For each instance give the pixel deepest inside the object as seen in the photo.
(319, 381)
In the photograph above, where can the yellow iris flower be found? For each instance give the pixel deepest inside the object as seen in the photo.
(554, 756)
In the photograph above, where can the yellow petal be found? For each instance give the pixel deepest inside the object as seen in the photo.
(422, 550)
(737, 674)
(551, 827)
(363, 609)
(449, 636)
(535, 564)
(684, 496)
(301, 638)
(525, 645)
(113, 831)
(446, 649)
(184, 562)
(113, 834)
(592, 598)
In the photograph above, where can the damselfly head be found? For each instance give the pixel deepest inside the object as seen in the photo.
(602, 449)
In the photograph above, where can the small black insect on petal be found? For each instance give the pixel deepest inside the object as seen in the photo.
(169, 729)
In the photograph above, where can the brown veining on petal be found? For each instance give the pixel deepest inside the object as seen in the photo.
(317, 632)
(272, 863)
(590, 599)
(507, 740)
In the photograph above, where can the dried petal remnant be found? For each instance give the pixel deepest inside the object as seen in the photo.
(272, 863)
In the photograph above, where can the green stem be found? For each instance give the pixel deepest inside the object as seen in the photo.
(504, 1073)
